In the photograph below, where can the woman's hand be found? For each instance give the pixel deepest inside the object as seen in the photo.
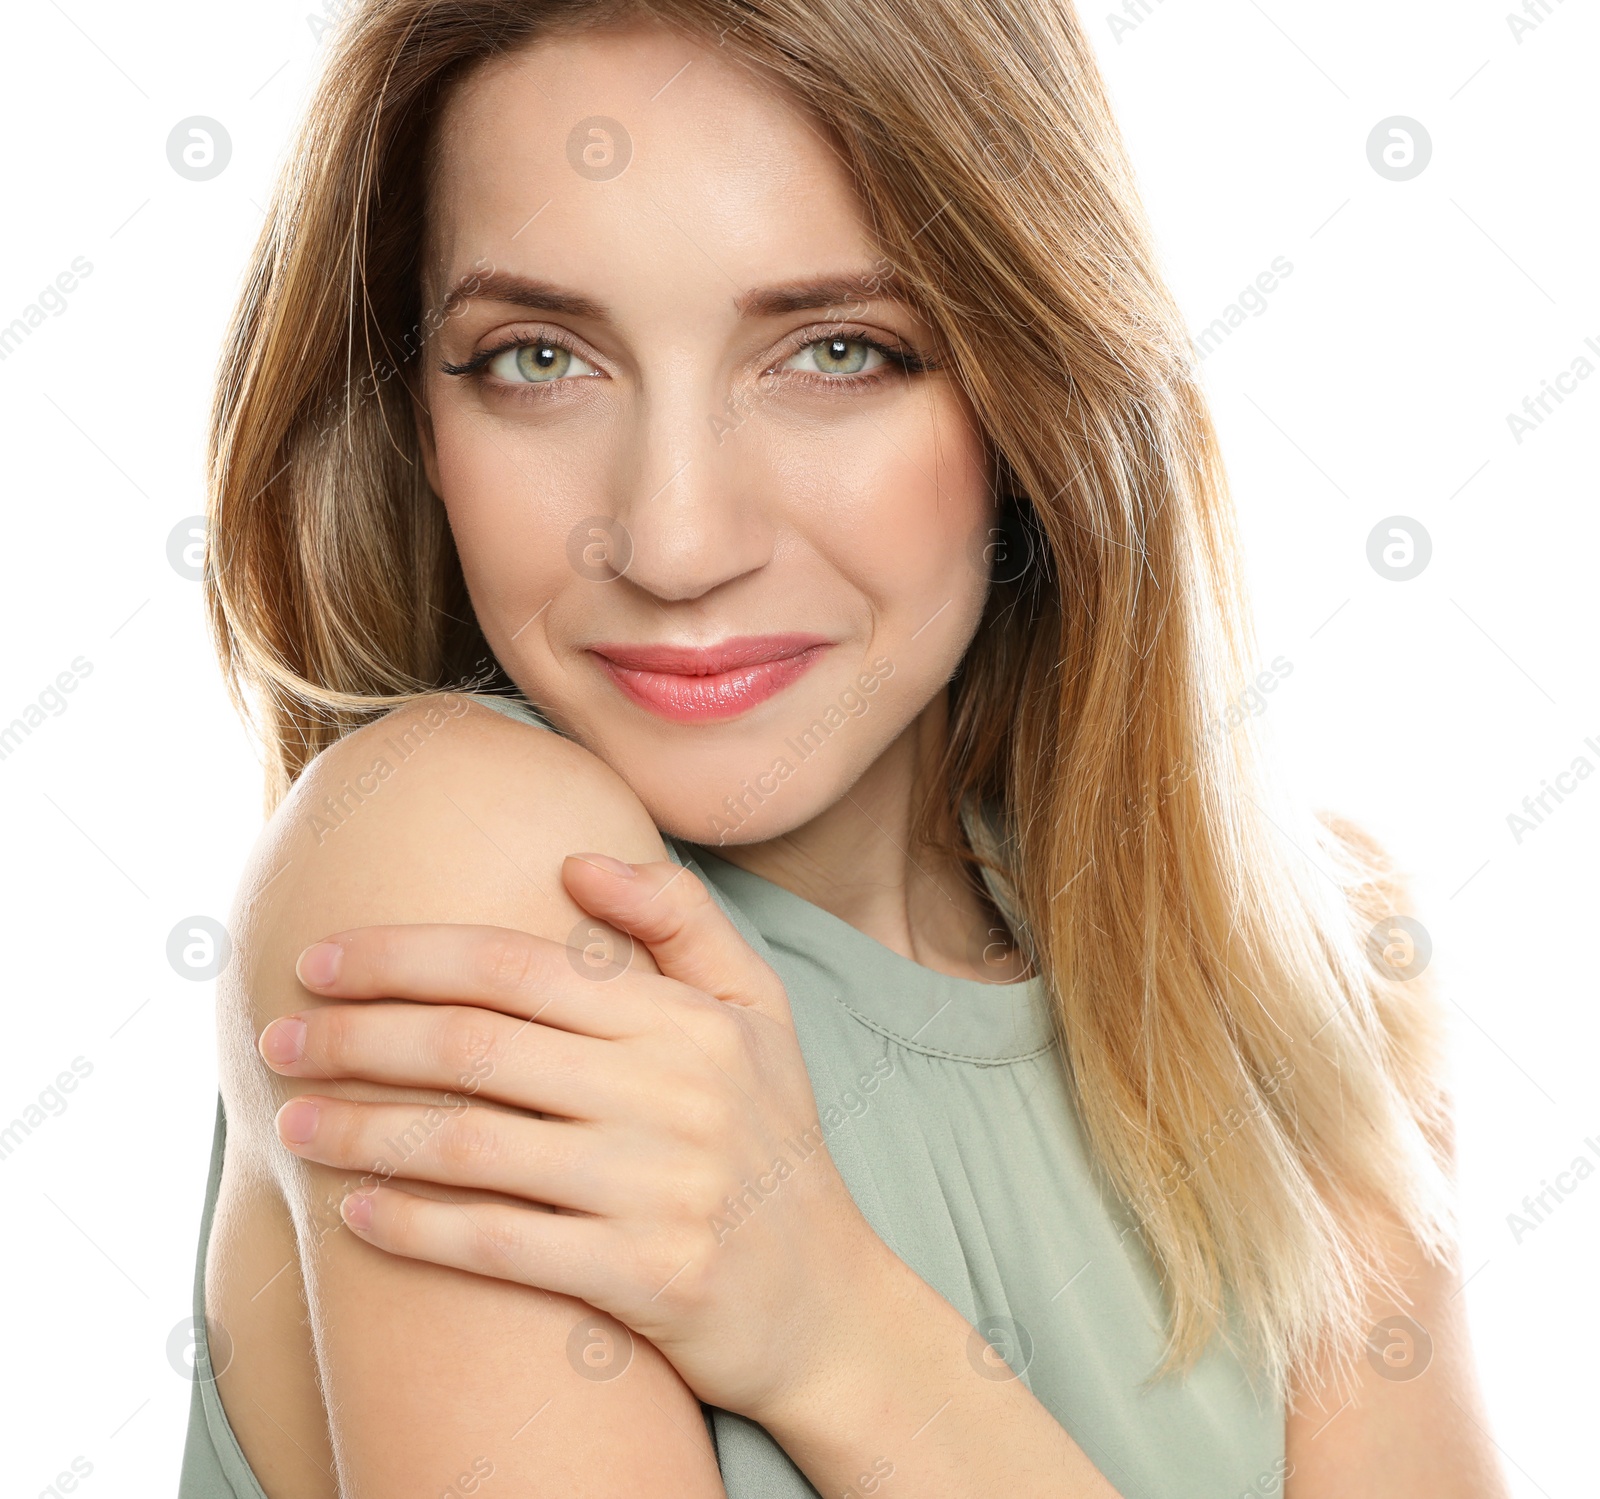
(659, 1127)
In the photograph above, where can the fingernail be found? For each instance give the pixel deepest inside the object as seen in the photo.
(283, 1042)
(297, 1120)
(607, 863)
(319, 965)
(356, 1210)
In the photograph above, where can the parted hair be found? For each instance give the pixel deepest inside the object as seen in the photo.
(1254, 1077)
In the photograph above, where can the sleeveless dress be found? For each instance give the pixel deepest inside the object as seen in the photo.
(945, 1104)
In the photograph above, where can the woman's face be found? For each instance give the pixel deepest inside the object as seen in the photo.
(714, 519)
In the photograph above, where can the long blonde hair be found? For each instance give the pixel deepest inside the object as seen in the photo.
(1264, 1092)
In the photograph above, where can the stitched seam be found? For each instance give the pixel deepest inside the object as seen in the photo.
(935, 1051)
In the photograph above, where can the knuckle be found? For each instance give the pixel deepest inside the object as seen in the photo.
(698, 1190)
(504, 962)
(339, 1134)
(693, 893)
(726, 1036)
(669, 1268)
(466, 1040)
(379, 955)
(501, 1236)
(331, 1037)
(401, 1218)
(467, 1144)
(703, 1115)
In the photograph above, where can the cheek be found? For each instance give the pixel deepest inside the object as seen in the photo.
(899, 503)
(516, 510)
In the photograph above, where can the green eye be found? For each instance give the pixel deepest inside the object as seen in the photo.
(540, 363)
(838, 355)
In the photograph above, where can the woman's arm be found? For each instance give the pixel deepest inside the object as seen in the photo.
(1411, 1424)
(682, 1087)
(432, 1378)
(910, 1393)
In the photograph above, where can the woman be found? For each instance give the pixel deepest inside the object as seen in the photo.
(952, 1072)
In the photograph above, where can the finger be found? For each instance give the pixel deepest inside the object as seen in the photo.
(495, 967)
(554, 1251)
(455, 1145)
(478, 1052)
(669, 909)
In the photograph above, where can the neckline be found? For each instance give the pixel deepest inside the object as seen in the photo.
(916, 1006)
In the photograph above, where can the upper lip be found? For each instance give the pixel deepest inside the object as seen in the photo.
(707, 660)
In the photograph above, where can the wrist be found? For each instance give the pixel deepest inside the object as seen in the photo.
(839, 1330)
(846, 1357)
(893, 1381)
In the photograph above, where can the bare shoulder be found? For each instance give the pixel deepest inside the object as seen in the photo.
(449, 779)
(443, 810)
(440, 811)
(446, 763)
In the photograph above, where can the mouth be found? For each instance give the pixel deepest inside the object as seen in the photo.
(702, 684)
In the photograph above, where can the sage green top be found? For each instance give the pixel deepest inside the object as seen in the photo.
(946, 1107)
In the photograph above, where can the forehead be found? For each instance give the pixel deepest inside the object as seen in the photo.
(636, 152)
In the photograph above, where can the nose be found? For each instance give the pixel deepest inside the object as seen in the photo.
(693, 499)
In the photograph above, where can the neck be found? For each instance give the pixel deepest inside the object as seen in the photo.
(857, 861)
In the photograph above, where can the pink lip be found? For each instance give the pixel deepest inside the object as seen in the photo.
(696, 684)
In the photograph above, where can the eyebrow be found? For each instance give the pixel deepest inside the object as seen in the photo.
(770, 301)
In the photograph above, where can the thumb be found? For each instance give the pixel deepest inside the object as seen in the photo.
(668, 908)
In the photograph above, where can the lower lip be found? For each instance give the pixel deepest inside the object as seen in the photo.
(719, 695)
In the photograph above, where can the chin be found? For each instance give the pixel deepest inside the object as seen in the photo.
(755, 808)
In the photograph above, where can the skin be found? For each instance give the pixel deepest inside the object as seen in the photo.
(585, 1125)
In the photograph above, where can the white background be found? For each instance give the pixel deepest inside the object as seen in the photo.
(1377, 382)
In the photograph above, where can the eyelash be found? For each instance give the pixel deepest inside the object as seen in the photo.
(902, 361)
